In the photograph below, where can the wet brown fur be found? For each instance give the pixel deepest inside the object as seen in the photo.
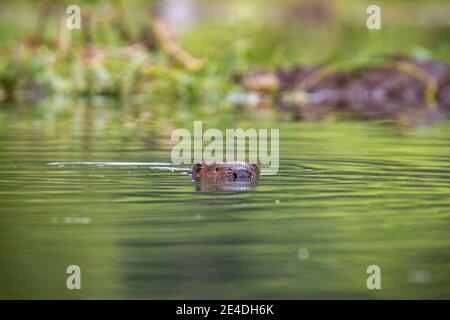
(225, 172)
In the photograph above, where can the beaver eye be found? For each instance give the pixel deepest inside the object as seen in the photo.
(196, 168)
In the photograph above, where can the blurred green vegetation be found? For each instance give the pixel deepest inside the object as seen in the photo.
(119, 57)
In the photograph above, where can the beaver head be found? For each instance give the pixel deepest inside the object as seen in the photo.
(235, 171)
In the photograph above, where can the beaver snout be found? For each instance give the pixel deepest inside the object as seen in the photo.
(242, 174)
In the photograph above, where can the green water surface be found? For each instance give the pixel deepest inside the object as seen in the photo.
(348, 195)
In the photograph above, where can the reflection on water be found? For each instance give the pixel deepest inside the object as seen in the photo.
(347, 195)
(235, 186)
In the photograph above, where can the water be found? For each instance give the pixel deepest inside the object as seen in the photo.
(348, 195)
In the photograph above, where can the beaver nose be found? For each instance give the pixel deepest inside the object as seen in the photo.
(242, 174)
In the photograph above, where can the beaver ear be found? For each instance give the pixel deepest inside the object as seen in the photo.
(195, 169)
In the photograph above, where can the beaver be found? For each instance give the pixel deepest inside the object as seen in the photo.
(235, 171)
